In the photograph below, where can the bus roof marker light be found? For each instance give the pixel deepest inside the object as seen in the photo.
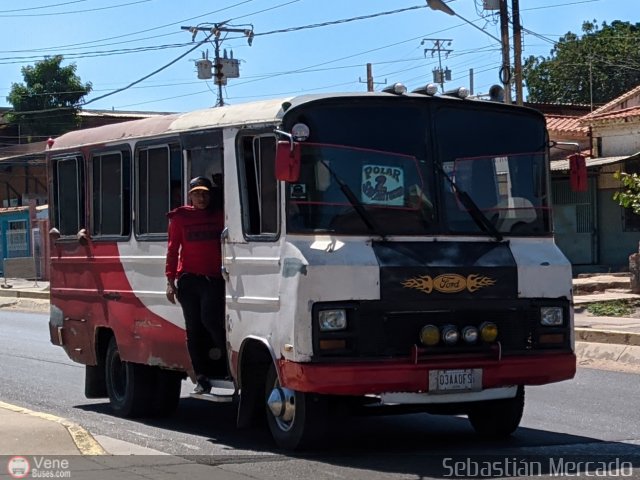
(397, 89)
(300, 132)
(461, 92)
(429, 89)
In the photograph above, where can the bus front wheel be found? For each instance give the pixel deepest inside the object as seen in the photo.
(129, 385)
(498, 418)
(296, 420)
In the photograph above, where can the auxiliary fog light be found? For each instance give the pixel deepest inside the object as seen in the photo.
(429, 335)
(450, 334)
(470, 334)
(488, 332)
(332, 320)
(551, 316)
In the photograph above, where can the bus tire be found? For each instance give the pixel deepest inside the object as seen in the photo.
(167, 392)
(302, 419)
(498, 418)
(129, 385)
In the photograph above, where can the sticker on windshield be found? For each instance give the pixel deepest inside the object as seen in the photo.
(299, 191)
(382, 185)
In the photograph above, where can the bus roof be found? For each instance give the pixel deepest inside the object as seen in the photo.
(254, 113)
(267, 111)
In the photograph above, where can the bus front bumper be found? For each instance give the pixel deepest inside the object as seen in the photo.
(363, 378)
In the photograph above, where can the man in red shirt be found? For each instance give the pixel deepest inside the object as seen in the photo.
(194, 278)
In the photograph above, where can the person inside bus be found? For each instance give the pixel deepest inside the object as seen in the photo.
(194, 279)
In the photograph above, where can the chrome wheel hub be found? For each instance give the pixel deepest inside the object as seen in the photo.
(282, 405)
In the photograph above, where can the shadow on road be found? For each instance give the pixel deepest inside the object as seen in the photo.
(416, 444)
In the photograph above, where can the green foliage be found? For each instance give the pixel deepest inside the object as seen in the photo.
(603, 63)
(629, 196)
(616, 308)
(47, 103)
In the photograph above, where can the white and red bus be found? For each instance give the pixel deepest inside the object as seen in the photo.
(380, 249)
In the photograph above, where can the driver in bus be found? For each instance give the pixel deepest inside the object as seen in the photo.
(194, 279)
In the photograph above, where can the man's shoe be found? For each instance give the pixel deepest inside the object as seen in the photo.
(203, 386)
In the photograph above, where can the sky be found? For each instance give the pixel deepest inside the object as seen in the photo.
(324, 47)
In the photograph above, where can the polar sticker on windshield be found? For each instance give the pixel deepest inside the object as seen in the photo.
(382, 185)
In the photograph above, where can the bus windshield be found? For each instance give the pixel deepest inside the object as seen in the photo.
(402, 166)
(390, 187)
(507, 189)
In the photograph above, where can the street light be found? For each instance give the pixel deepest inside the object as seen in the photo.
(440, 6)
(443, 7)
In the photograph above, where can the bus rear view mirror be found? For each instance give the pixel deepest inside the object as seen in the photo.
(288, 161)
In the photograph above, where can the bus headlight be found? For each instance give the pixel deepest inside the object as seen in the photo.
(470, 334)
(332, 320)
(429, 335)
(551, 316)
(450, 334)
(488, 332)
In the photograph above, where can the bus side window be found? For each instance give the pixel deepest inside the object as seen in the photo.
(154, 178)
(67, 213)
(260, 187)
(110, 208)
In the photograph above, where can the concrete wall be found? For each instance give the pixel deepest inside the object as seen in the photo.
(620, 139)
(614, 245)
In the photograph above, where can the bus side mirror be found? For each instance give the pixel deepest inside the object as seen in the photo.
(288, 161)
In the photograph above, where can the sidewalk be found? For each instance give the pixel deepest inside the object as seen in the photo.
(28, 434)
(35, 444)
(21, 288)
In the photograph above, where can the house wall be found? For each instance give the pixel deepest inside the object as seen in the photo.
(15, 242)
(614, 244)
(618, 139)
(19, 183)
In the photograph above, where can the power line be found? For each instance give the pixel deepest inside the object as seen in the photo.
(76, 11)
(123, 88)
(41, 7)
(152, 73)
(336, 22)
(57, 48)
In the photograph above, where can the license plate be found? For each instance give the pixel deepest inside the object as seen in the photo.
(451, 381)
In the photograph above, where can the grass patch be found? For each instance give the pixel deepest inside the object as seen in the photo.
(616, 308)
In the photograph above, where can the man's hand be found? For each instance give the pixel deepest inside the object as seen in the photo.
(171, 292)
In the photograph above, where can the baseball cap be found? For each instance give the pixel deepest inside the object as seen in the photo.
(200, 183)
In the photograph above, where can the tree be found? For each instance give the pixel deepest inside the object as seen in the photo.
(592, 69)
(629, 196)
(48, 102)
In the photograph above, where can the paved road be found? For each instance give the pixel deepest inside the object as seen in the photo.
(592, 415)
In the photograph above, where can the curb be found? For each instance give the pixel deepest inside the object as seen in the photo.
(607, 336)
(23, 294)
(616, 357)
(86, 444)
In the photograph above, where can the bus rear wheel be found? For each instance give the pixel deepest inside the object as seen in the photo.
(297, 420)
(129, 385)
(498, 418)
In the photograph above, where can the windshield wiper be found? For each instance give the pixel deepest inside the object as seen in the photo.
(476, 214)
(366, 217)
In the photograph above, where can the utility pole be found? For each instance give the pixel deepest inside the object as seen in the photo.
(369, 78)
(216, 30)
(370, 83)
(517, 50)
(439, 76)
(505, 70)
